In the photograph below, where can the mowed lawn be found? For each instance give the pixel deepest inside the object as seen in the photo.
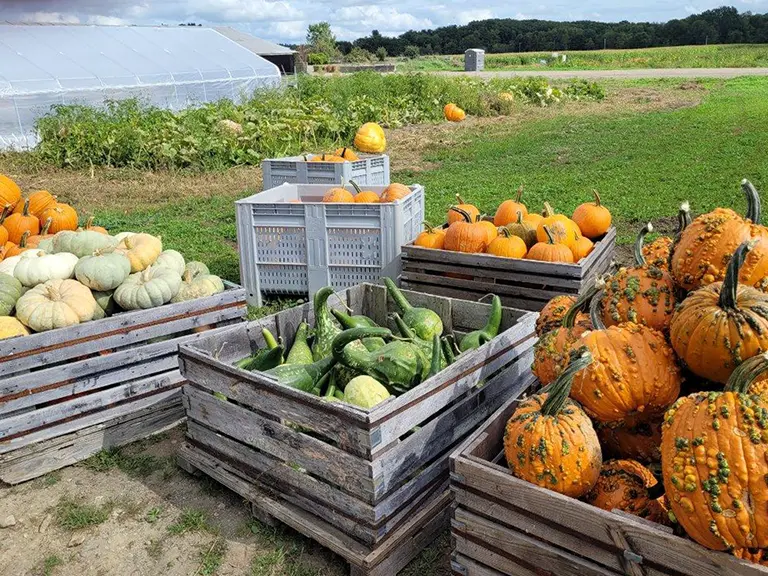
(643, 164)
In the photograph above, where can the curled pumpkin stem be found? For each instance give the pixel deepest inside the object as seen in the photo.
(639, 257)
(730, 286)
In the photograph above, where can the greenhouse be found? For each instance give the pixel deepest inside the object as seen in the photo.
(169, 67)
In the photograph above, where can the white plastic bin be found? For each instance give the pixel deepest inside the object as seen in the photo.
(370, 170)
(291, 243)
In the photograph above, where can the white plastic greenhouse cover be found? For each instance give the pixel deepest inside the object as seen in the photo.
(168, 67)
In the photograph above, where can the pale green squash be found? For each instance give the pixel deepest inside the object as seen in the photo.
(200, 286)
(10, 292)
(152, 287)
(83, 243)
(55, 304)
(103, 271)
(196, 268)
(173, 260)
(37, 267)
(105, 300)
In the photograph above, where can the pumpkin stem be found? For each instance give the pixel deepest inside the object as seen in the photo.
(560, 389)
(23, 239)
(53, 293)
(730, 286)
(753, 201)
(46, 226)
(459, 199)
(26, 208)
(519, 194)
(594, 308)
(548, 211)
(6, 209)
(596, 194)
(746, 373)
(639, 258)
(354, 185)
(581, 304)
(519, 217)
(428, 227)
(463, 213)
(550, 238)
(656, 491)
(503, 231)
(683, 218)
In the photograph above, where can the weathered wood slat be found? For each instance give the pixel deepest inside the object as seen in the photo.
(464, 566)
(488, 558)
(539, 292)
(440, 290)
(41, 458)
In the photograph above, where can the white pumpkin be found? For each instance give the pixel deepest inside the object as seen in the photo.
(8, 265)
(56, 304)
(37, 267)
(173, 260)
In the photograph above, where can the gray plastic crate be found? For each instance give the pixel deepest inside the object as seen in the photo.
(370, 170)
(296, 248)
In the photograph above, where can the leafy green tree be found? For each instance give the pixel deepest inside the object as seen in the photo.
(411, 52)
(381, 53)
(321, 39)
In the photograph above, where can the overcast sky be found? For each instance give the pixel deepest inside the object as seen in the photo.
(286, 20)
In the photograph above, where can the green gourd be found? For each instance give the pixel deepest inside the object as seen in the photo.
(263, 360)
(365, 392)
(302, 376)
(424, 322)
(300, 352)
(523, 230)
(477, 338)
(448, 345)
(348, 322)
(406, 332)
(325, 327)
(10, 292)
(397, 365)
(437, 357)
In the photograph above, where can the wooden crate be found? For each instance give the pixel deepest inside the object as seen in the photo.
(67, 393)
(503, 525)
(357, 476)
(524, 284)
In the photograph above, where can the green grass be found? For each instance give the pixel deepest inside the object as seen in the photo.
(712, 56)
(212, 557)
(190, 520)
(71, 514)
(50, 564)
(136, 465)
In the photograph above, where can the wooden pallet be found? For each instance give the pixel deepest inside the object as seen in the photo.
(524, 284)
(366, 473)
(504, 526)
(88, 378)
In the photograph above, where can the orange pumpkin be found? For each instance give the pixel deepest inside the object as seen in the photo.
(63, 217)
(34, 241)
(634, 377)
(549, 440)
(338, 195)
(10, 193)
(16, 249)
(3, 231)
(326, 158)
(592, 218)
(563, 229)
(470, 209)
(394, 192)
(91, 228)
(551, 316)
(431, 237)
(465, 235)
(659, 252)
(370, 138)
(453, 113)
(640, 441)
(550, 251)
(626, 485)
(491, 232)
(38, 202)
(583, 248)
(19, 222)
(364, 196)
(346, 154)
(507, 211)
(507, 245)
(533, 219)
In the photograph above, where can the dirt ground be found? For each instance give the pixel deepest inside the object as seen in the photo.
(132, 512)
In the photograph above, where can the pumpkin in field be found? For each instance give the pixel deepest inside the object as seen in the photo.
(326, 158)
(471, 209)
(506, 96)
(10, 327)
(562, 229)
(549, 440)
(714, 459)
(3, 231)
(431, 237)
(37, 267)
(643, 294)
(640, 441)
(63, 217)
(394, 192)
(370, 138)
(582, 248)
(523, 229)
(550, 251)
(507, 245)
(720, 325)
(55, 304)
(364, 196)
(453, 113)
(592, 218)
(10, 292)
(465, 235)
(338, 195)
(347, 154)
(152, 287)
(39, 202)
(10, 193)
(634, 376)
(626, 485)
(552, 352)
(19, 222)
(142, 250)
(509, 210)
(551, 316)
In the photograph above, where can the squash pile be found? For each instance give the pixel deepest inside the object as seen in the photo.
(513, 232)
(51, 280)
(351, 359)
(391, 193)
(615, 405)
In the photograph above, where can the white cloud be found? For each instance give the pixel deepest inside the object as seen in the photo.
(467, 16)
(370, 17)
(107, 21)
(48, 18)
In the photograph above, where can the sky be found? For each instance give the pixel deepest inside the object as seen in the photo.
(286, 21)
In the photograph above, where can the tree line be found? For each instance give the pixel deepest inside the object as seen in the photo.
(723, 25)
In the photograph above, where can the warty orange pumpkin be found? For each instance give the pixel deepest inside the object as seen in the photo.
(714, 459)
(431, 237)
(507, 212)
(465, 235)
(549, 440)
(720, 325)
(627, 485)
(551, 316)
(550, 251)
(592, 218)
(640, 441)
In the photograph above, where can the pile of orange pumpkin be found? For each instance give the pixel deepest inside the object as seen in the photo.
(25, 222)
(514, 232)
(656, 386)
(391, 193)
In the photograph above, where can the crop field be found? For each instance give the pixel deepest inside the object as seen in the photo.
(712, 56)
(646, 146)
